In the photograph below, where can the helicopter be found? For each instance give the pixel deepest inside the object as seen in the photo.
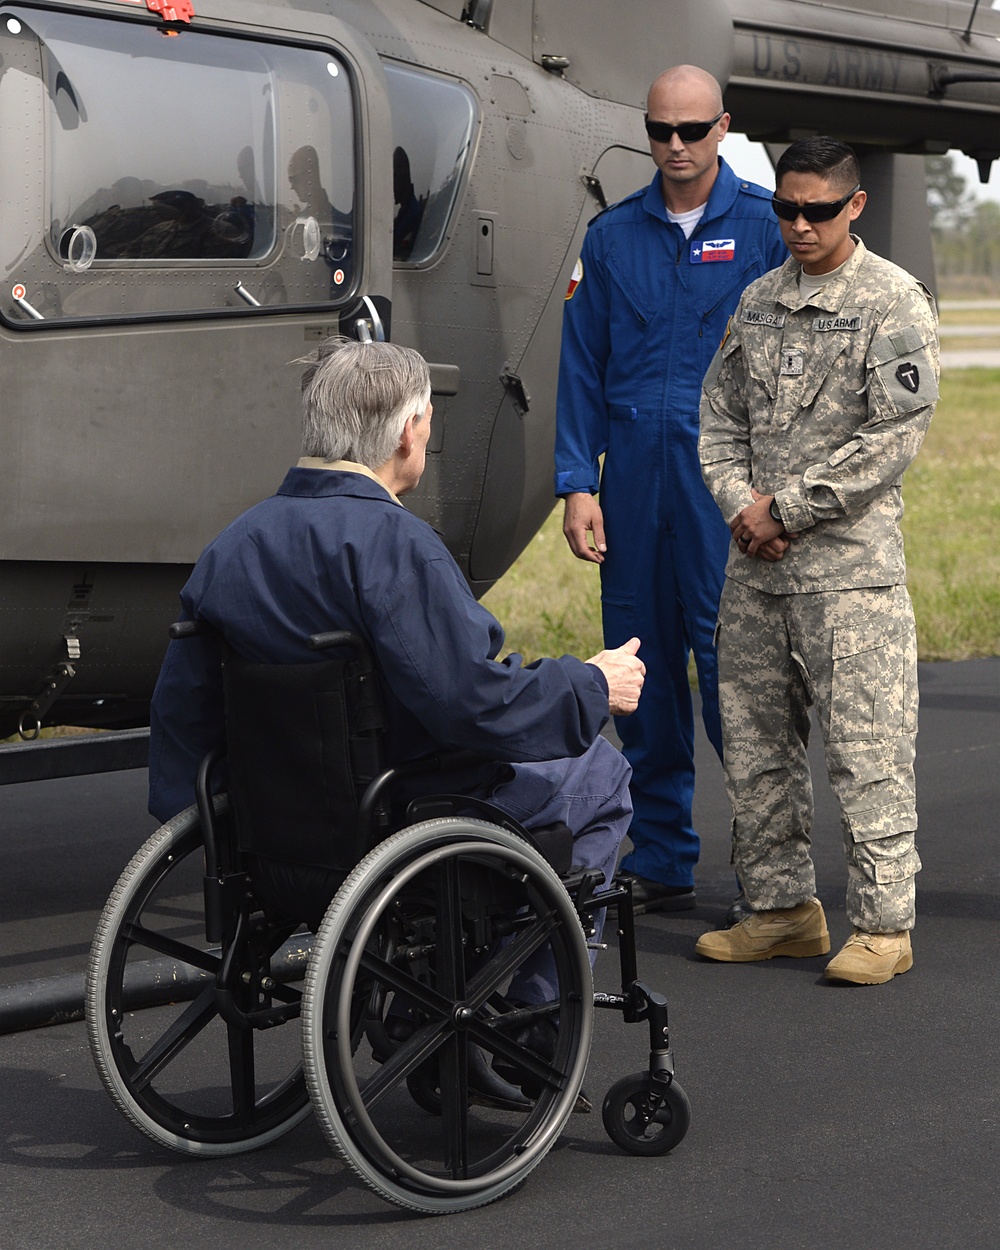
(195, 193)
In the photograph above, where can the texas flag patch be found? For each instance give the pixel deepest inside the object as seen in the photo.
(575, 279)
(707, 250)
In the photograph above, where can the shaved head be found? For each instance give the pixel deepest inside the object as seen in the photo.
(683, 83)
(680, 97)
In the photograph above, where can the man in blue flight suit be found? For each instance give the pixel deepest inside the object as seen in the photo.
(335, 549)
(658, 277)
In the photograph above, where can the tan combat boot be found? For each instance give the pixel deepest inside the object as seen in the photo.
(871, 958)
(799, 931)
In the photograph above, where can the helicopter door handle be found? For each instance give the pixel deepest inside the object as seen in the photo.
(369, 329)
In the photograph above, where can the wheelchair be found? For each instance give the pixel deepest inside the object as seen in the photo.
(307, 943)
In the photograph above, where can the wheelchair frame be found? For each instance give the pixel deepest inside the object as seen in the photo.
(435, 916)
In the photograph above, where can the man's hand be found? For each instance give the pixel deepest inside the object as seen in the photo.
(773, 551)
(624, 673)
(582, 515)
(757, 533)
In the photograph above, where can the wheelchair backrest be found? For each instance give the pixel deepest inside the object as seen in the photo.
(304, 740)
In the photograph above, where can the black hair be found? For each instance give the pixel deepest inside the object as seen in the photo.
(821, 155)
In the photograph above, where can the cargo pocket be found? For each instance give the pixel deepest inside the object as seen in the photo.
(887, 860)
(873, 683)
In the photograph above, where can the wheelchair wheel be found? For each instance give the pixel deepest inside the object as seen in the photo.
(466, 903)
(627, 1121)
(176, 1069)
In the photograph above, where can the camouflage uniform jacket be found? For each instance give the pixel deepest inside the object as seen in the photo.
(823, 404)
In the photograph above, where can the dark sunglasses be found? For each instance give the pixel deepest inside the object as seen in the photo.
(687, 132)
(812, 212)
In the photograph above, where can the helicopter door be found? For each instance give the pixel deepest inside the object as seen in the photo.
(182, 219)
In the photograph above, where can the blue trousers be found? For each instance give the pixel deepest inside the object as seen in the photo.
(588, 793)
(661, 582)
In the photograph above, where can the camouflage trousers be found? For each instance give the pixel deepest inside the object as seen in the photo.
(852, 654)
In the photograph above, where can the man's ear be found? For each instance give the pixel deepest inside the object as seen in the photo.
(406, 439)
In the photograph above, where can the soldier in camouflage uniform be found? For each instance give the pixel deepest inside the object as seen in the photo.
(815, 404)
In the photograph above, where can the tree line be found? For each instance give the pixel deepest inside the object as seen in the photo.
(965, 233)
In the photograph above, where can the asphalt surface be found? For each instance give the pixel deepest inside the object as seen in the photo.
(822, 1116)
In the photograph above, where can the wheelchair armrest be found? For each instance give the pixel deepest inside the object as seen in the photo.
(190, 629)
(443, 761)
(340, 638)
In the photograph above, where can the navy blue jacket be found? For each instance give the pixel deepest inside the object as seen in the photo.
(333, 550)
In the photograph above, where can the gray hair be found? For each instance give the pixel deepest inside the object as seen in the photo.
(356, 398)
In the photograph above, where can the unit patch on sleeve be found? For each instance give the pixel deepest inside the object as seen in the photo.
(909, 376)
(576, 277)
(705, 251)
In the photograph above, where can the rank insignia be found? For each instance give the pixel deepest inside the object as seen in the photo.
(792, 364)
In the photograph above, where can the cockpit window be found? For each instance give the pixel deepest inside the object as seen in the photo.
(142, 175)
(433, 124)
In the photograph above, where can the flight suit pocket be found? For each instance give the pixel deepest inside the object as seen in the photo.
(619, 616)
(632, 295)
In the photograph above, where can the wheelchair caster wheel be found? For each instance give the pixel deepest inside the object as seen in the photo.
(629, 1125)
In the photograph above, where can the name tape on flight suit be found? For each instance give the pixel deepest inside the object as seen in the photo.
(708, 251)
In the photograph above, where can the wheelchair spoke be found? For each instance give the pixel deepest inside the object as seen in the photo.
(493, 1040)
(453, 1060)
(424, 996)
(185, 1028)
(138, 935)
(508, 959)
(450, 945)
(424, 1043)
(242, 1077)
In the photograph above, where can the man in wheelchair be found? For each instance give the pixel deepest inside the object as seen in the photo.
(334, 549)
(331, 723)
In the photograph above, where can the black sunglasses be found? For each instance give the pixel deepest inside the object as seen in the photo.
(687, 132)
(812, 212)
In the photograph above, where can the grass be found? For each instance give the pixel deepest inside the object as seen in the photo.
(955, 316)
(952, 521)
(549, 601)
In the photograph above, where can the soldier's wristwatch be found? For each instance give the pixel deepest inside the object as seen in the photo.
(773, 509)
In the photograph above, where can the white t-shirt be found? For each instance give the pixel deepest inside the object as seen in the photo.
(687, 221)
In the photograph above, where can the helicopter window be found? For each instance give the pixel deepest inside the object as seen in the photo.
(145, 176)
(433, 123)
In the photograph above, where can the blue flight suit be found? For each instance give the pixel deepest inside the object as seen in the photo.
(639, 331)
(334, 550)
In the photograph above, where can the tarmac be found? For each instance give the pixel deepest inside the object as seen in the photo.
(822, 1115)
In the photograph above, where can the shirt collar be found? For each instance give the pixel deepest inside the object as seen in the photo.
(344, 466)
(720, 199)
(830, 297)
